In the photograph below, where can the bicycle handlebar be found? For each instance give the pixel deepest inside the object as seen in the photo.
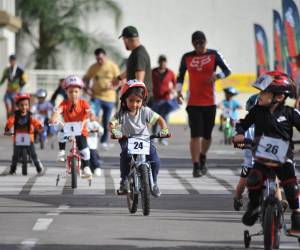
(136, 135)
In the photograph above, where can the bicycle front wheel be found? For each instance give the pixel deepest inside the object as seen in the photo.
(271, 228)
(132, 196)
(74, 171)
(145, 189)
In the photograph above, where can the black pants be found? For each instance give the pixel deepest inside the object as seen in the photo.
(18, 151)
(287, 177)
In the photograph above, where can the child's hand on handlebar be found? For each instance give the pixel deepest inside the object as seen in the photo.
(164, 132)
(116, 133)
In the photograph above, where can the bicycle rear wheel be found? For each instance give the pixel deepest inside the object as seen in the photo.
(74, 171)
(132, 196)
(271, 228)
(145, 189)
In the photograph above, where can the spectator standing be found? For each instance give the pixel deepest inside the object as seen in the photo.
(164, 87)
(138, 64)
(103, 94)
(59, 91)
(16, 79)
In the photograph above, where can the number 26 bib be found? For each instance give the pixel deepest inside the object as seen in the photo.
(272, 148)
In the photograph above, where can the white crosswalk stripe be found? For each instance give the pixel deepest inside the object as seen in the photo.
(171, 181)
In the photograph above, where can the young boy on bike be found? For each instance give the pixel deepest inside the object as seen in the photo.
(75, 109)
(24, 125)
(229, 106)
(42, 110)
(274, 124)
(134, 118)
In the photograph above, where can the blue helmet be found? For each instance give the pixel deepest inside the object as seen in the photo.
(231, 91)
(251, 102)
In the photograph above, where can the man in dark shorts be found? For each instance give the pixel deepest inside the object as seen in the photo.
(201, 65)
(138, 64)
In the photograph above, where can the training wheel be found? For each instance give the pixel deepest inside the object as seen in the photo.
(247, 238)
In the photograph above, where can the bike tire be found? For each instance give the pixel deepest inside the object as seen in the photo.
(24, 161)
(74, 172)
(145, 189)
(132, 196)
(271, 228)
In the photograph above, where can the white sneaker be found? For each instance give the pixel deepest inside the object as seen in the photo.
(98, 172)
(61, 155)
(87, 172)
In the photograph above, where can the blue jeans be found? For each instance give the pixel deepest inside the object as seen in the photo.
(107, 107)
(125, 159)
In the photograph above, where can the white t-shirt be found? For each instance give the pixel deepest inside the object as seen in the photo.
(92, 139)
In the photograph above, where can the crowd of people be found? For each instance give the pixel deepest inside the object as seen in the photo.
(147, 96)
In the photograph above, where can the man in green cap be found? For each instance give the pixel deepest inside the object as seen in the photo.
(138, 64)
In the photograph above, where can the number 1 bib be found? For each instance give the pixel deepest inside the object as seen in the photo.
(272, 148)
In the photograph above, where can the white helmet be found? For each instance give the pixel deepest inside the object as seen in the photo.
(41, 93)
(73, 81)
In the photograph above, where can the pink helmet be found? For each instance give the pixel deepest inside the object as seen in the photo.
(133, 84)
(73, 81)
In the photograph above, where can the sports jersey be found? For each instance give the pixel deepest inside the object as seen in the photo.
(200, 68)
(278, 124)
(75, 112)
(23, 124)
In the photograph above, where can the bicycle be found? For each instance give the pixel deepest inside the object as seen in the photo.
(140, 179)
(271, 210)
(73, 163)
(22, 141)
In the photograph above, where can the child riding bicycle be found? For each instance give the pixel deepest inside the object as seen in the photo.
(134, 118)
(42, 110)
(229, 107)
(75, 109)
(274, 124)
(24, 125)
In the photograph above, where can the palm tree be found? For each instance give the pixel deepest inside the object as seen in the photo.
(51, 25)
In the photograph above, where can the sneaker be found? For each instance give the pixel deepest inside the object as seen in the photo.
(196, 171)
(98, 172)
(87, 172)
(251, 215)
(202, 162)
(123, 186)
(61, 155)
(237, 203)
(40, 169)
(155, 191)
(12, 172)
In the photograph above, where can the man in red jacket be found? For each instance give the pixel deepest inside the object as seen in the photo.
(164, 87)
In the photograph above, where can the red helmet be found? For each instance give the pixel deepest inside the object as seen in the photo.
(20, 97)
(133, 84)
(73, 81)
(276, 82)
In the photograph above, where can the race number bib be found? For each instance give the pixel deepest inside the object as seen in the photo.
(138, 146)
(22, 139)
(72, 128)
(272, 149)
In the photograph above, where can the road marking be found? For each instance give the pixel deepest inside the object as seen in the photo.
(58, 211)
(109, 182)
(28, 244)
(42, 224)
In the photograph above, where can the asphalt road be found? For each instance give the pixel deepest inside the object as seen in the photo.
(191, 213)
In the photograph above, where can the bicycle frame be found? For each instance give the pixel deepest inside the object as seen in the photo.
(73, 152)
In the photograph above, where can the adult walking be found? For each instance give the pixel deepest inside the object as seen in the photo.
(102, 92)
(164, 86)
(201, 64)
(138, 64)
(16, 78)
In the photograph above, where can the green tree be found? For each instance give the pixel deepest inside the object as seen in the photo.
(51, 25)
